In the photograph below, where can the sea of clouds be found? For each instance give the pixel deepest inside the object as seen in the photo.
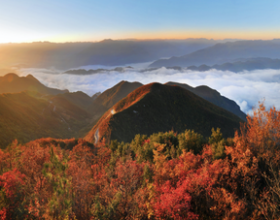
(245, 88)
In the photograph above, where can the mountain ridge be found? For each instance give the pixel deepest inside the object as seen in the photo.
(109, 52)
(154, 108)
(214, 97)
(111, 96)
(12, 83)
(222, 53)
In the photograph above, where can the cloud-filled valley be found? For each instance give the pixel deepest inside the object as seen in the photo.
(245, 88)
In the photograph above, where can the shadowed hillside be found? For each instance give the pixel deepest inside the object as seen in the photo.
(154, 108)
(26, 116)
(110, 97)
(78, 98)
(214, 97)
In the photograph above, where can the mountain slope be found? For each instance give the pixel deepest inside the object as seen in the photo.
(154, 108)
(27, 116)
(214, 97)
(13, 83)
(111, 96)
(222, 53)
(78, 98)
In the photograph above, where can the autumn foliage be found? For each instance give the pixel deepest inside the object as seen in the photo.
(164, 176)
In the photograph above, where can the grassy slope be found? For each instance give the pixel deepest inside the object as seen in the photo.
(155, 107)
(30, 117)
(26, 117)
(78, 98)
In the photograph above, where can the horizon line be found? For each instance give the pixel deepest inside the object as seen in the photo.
(141, 39)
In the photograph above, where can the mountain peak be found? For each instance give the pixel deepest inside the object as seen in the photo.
(206, 89)
(12, 83)
(107, 41)
(10, 77)
(159, 108)
(31, 77)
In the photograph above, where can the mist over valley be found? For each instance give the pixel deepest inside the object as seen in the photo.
(138, 110)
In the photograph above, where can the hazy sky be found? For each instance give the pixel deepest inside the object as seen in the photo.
(92, 20)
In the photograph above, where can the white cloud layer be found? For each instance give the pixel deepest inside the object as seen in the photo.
(246, 88)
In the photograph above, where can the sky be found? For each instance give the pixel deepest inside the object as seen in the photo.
(95, 20)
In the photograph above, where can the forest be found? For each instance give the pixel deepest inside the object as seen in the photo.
(163, 176)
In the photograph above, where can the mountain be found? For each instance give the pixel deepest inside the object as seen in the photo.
(110, 97)
(12, 83)
(78, 98)
(95, 71)
(224, 52)
(28, 115)
(259, 63)
(94, 96)
(85, 72)
(248, 64)
(107, 52)
(213, 96)
(156, 107)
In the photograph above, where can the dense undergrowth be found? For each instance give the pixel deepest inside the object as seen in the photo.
(164, 176)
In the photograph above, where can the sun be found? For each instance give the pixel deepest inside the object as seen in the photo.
(14, 37)
(21, 36)
(7, 39)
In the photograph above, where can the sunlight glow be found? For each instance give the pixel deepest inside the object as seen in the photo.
(20, 36)
(208, 34)
(23, 37)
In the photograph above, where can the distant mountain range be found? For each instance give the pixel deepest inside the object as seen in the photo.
(222, 53)
(182, 53)
(248, 64)
(154, 107)
(95, 71)
(38, 111)
(107, 52)
(237, 65)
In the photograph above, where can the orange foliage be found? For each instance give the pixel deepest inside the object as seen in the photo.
(261, 133)
(47, 177)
